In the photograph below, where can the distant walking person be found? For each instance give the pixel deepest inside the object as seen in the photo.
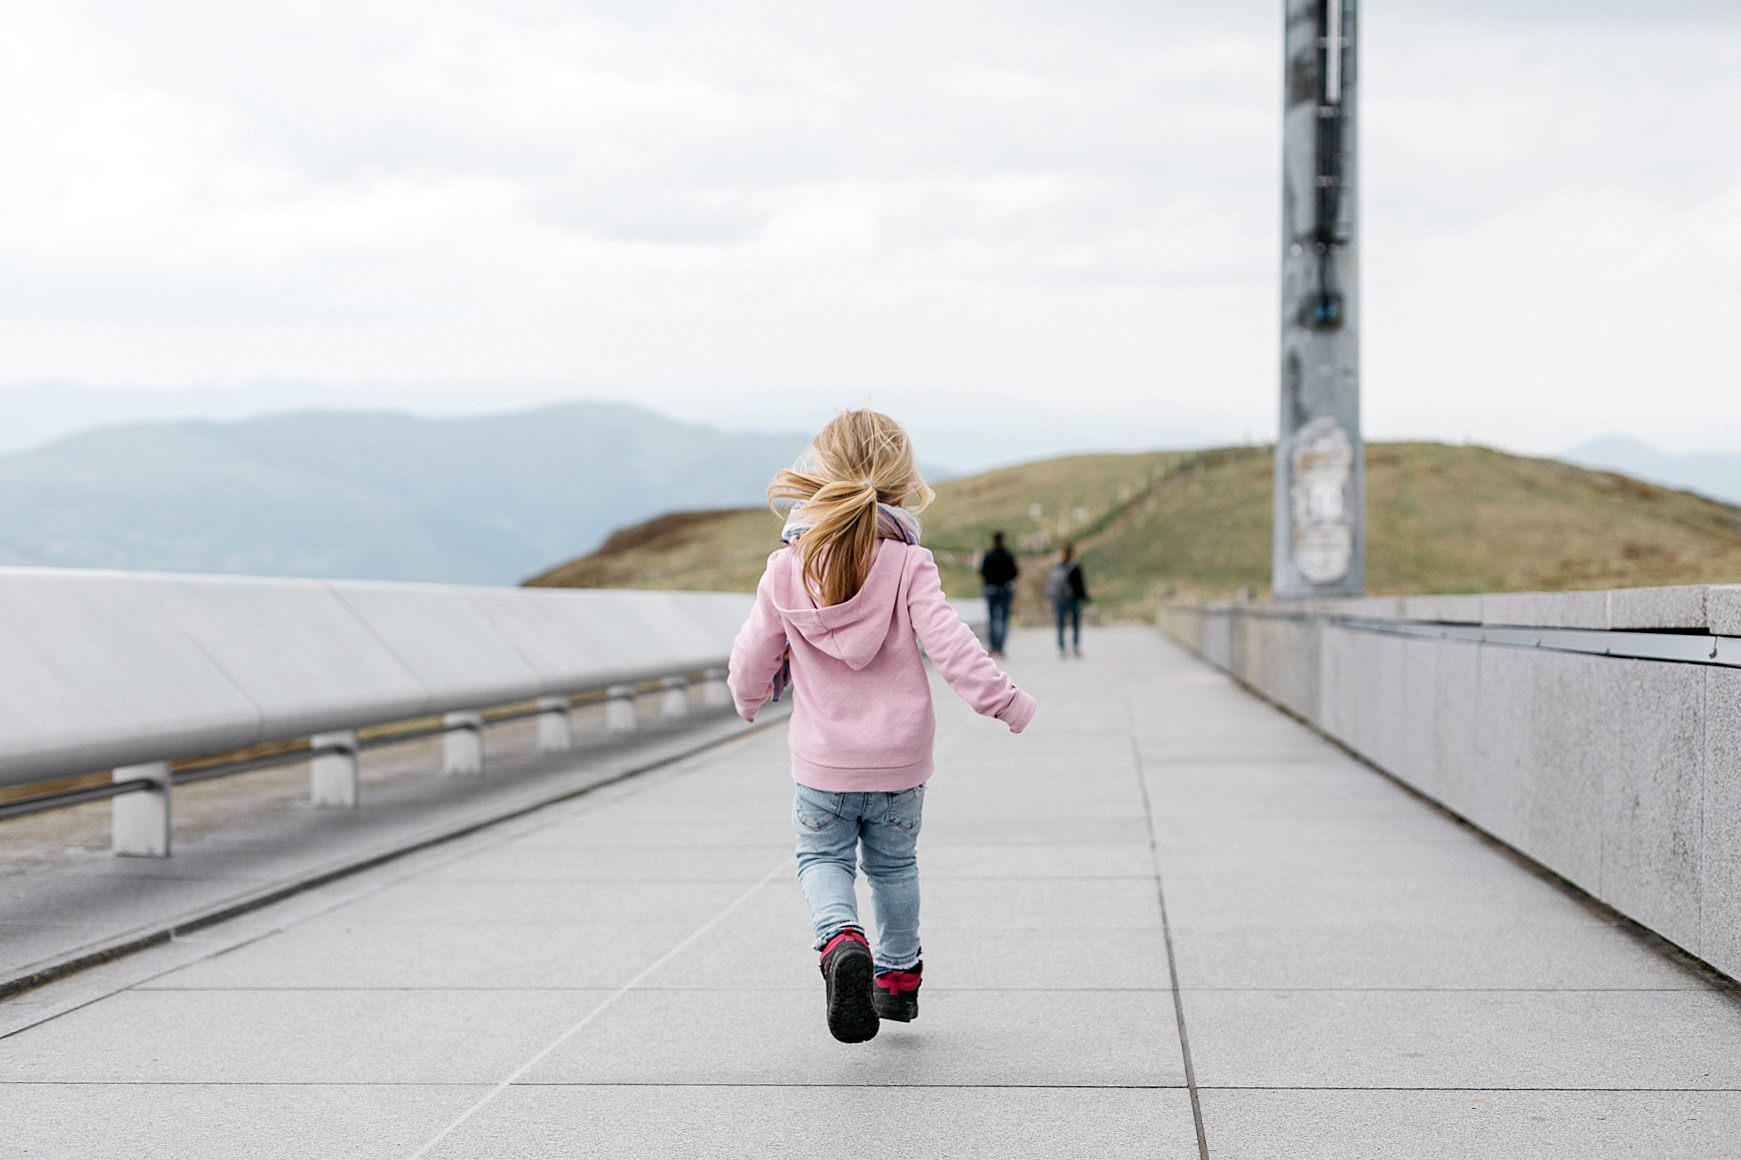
(1068, 592)
(999, 571)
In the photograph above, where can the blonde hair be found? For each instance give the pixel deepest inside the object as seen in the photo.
(861, 459)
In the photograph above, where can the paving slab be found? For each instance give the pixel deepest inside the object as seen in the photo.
(343, 952)
(1289, 902)
(1473, 1125)
(1060, 904)
(671, 904)
(1242, 746)
(774, 1123)
(1236, 849)
(959, 957)
(746, 1036)
(1272, 793)
(1255, 833)
(1596, 1040)
(235, 1121)
(284, 1037)
(686, 833)
(944, 859)
(1062, 907)
(581, 863)
(1497, 953)
(1015, 799)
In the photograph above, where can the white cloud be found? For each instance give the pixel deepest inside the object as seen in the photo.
(733, 201)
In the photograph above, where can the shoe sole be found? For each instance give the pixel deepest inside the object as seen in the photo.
(852, 1015)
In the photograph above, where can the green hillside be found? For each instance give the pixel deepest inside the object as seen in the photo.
(1197, 524)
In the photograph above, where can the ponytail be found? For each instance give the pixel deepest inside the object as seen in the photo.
(837, 548)
(860, 459)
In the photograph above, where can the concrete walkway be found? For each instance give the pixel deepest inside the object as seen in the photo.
(628, 975)
(240, 842)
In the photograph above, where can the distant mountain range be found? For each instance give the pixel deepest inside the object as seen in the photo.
(481, 499)
(1715, 475)
(966, 430)
(33, 414)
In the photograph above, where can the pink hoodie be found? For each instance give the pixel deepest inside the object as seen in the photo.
(861, 703)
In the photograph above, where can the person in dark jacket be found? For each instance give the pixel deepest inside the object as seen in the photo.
(999, 571)
(1068, 592)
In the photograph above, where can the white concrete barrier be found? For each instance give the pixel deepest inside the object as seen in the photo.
(1599, 733)
(973, 612)
(107, 670)
(131, 671)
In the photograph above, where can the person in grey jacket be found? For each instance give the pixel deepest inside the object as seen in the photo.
(1068, 592)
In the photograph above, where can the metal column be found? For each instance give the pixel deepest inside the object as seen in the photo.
(1320, 467)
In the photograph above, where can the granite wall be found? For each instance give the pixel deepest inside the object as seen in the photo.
(1621, 775)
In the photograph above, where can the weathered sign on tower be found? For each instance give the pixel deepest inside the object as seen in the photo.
(1320, 467)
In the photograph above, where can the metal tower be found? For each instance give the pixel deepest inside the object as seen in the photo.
(1320, 466)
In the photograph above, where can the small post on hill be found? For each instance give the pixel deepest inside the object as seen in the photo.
(1320, 463)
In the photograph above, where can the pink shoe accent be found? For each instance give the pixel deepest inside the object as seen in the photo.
(847, 935)
(898, 982)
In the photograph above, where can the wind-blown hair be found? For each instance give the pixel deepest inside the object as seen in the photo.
(861, 459)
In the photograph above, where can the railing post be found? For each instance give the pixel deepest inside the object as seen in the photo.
(714, 692)
(462, 746)
(621, 714)
(555, 725)
(140, 821)
(674, 701)
(334, 778)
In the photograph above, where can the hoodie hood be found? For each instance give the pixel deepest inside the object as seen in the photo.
(853, 632)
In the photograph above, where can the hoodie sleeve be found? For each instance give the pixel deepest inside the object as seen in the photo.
(958, 654)
(758, 651)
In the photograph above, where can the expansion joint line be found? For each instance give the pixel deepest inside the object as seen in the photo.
(1172, 959)
(783, 866)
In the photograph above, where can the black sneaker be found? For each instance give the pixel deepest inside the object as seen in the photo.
(846, 971)
(897, 994)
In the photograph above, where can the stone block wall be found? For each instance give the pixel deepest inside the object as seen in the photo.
(1621, 775)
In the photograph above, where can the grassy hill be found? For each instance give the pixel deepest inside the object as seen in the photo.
(1440, 519)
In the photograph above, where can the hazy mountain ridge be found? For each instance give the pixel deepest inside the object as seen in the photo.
(960, 428)
(35, 414)
(1713, 474)
(487, 499)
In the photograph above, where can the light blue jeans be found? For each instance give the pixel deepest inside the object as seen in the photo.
(831, 827)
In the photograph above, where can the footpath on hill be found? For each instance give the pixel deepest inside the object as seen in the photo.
(1167, 921)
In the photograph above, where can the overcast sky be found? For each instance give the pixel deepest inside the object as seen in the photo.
(754, 212)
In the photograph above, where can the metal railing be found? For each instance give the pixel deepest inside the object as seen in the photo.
(149, 676)
(556, 734)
